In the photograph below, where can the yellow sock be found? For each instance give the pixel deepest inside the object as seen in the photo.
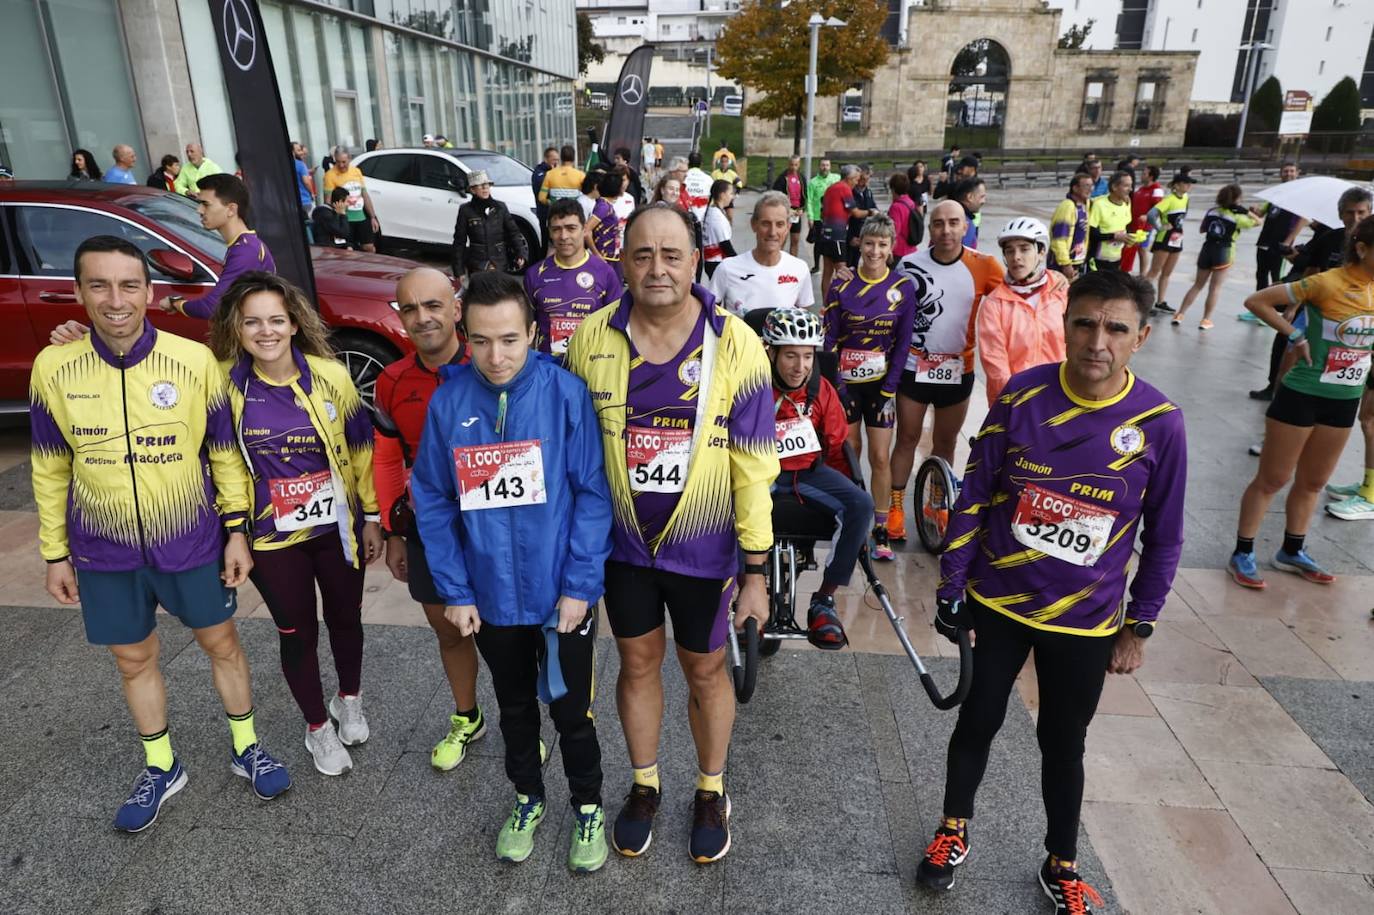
(1367, 487)
(242, 730)
(157, 749)
(957, 824)
(647, 775)
(708, 782)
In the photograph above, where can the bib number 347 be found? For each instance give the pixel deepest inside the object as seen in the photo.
(1060, 526)
(500, 475)
(301, 502)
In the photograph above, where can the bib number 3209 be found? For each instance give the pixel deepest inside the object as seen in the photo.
(500, 475)
(1060, 526)
(301, 502)
(657, 458)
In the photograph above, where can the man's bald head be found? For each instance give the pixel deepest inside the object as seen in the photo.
(948, 207)
(429, 312)
(948, 223)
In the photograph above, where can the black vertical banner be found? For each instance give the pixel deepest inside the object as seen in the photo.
(625, 127)
(263, 146)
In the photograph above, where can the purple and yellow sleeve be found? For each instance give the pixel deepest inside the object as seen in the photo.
(753, 454)
(227, 470)
(1161, 537)
(51, 461)
(980, 486)
(906, 319)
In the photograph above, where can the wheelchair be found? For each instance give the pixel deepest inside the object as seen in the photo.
(934, 495)
(797, 527)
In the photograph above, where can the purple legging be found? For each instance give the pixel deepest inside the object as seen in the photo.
(286, 578)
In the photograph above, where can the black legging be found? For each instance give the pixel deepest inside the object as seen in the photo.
(512, 654)
(1268, 266)
(1070, 670)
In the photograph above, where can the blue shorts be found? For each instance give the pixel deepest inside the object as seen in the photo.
(119, 607)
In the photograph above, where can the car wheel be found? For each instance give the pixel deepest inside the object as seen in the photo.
(365, 356)
(531, 245)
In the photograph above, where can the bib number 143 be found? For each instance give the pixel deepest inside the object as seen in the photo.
(500, 475)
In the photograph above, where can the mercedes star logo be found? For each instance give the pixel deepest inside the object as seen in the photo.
(240, 35)
(632, 89)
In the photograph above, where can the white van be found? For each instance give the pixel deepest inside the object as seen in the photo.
(732, 105)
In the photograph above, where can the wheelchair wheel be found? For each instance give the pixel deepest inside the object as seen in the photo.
(769, 647)
(936, 492)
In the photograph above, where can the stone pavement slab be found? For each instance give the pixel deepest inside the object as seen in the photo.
(1339, 717)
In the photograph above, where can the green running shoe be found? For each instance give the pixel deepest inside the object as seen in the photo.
(450, 751)
(516, 839)
(588, 851)
(1342, 492)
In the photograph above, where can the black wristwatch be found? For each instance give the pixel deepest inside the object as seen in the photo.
(1143, 630)
(239, 527)
(758, 568)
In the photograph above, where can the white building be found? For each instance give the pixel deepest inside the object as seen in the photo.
(1315, 43)
(682, 30)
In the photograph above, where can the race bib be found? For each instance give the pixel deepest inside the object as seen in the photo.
(1174, 239)
(500, 475)
(795, 218)
(560, 332)
(301, 502)
(657, 458)
(795, 437)
(1346, 366)
(939, 368)
(860, 365)
(1059, 526)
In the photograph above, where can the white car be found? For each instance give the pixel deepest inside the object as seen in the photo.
(599, 100)
(853, 114)
(732, 105)
(417, 192)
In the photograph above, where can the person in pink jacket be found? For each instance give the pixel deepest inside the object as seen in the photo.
(1021, 323)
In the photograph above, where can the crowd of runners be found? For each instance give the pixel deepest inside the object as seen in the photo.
(610, 432)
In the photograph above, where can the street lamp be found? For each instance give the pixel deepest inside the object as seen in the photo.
(1252, 61)
(815, 23)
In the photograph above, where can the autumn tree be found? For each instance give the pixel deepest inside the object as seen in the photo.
(767, 48)
(588, 51)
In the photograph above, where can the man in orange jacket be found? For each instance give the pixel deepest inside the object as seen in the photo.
(1021, 323)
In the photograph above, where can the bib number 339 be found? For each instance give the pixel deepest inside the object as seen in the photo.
(1063, 527)
(301, 502)
(1346, 366)
(500, 475)
(657, 458)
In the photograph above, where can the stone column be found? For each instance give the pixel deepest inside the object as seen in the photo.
(162, 80)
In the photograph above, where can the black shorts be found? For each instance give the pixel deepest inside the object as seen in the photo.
(936, 395)
(1212, 257)
(1306, 410)
(418, 578)
(834, 250)
(864, 401)
(700, 607)
(796, 226)
(360, 232)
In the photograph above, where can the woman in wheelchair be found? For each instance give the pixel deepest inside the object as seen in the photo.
(811, 432)
(868, 321)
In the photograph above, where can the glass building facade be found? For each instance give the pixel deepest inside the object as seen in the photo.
(494, 74)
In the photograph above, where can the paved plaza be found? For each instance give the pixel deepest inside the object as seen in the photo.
(1233, 773)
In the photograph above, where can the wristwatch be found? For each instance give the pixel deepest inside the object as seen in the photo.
(239, 527)
(757, 568)
(1143, 630)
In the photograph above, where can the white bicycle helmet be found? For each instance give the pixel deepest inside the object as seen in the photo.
(792, 327)
(1027, 228)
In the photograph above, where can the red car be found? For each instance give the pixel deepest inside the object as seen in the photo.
(41, 224)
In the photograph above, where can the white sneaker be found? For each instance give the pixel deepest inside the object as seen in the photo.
(330, 756)
(348, 712)
(1355, 508)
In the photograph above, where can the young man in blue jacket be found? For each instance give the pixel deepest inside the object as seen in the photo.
(515, 513)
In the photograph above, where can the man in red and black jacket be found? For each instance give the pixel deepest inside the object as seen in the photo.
(429, 311)
(811, 432)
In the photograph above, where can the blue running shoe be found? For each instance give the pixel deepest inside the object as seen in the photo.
(267, 776)
(1300, 563)
(151, 791)
(1245, 571)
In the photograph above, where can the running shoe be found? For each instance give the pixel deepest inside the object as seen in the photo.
(267, 776)
(327, 750)
(152, 788)
(945, 852)
(896, 518)
(882, 549)
(1067, 891)
(1256, 449)
(462, 731)
(710, 827)
(1165, 307)
(588, 851)
(1355, 508)
(1245, 571)
(1262, 394)
(515, 841)
(1175, 321)
(348, 712)
(1205, 324)
(1300, 563)
(823, 627)
(634, 827)
(1342, 492)
(1248, 316)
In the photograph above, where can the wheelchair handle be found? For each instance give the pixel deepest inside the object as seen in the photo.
(944, 703)
(746, 669)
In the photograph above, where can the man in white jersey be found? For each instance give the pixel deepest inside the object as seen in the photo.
(950, 281)
(696, 186)
(766, 277)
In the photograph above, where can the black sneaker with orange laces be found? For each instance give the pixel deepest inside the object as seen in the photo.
(945, 852)
(1069, 894)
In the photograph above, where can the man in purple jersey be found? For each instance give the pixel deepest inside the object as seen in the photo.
(224, 209)
(570, 283)
(1073, 462)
